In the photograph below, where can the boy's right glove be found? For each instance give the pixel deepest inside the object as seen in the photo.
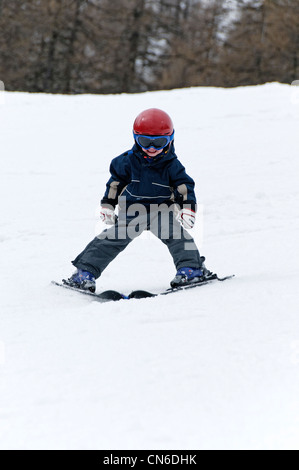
(107, 215)
(187, 218)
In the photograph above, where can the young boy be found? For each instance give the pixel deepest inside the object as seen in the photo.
(148, 180)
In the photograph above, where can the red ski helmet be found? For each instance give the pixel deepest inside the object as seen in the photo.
(153, 121)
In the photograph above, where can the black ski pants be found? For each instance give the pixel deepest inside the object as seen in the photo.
(106, 246)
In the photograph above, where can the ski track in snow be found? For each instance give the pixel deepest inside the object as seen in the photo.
(212, 368)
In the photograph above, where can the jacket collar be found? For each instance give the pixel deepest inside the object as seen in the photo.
(160, 160)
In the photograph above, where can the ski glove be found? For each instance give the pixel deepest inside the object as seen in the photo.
(187, 218)
(107, 215)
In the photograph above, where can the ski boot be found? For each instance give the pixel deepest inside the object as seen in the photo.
(186, 276)
(81, 280)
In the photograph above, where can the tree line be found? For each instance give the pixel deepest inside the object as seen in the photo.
(114, 46)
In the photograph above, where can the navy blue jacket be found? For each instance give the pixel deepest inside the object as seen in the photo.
(144, 181)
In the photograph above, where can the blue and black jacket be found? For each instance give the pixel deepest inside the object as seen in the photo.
(149, 181)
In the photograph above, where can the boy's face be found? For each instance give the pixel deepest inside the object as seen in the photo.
(152, 152)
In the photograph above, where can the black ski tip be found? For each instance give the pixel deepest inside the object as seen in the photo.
(141, 294)
(110, 295)
(225, 277)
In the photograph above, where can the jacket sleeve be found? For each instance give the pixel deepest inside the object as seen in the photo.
(120, 177)
(183, 186)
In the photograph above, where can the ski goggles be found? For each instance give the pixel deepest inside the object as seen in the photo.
(159, 142)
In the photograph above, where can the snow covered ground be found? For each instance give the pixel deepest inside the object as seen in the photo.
(213, 368)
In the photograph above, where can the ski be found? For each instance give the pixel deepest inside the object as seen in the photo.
(112, 295)
(106, 296)
(144, 294)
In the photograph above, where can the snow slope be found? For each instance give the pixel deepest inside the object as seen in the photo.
(214, 368)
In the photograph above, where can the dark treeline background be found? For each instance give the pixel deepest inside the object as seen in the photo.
(113, 46)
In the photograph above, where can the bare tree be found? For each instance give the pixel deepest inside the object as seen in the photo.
(192, 45)
(104, 46)
(262, 45)
(101, 46)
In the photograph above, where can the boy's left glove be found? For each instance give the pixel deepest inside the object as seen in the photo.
(187, 218)
(107, 215)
